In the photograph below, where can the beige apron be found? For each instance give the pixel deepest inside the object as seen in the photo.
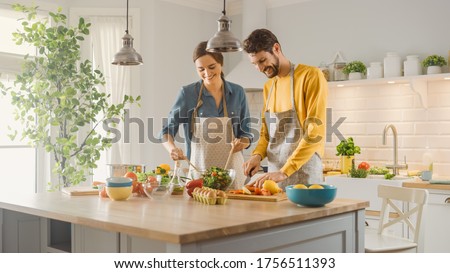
(285, 133)
(211, 143)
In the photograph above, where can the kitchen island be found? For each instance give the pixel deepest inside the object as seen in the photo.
(176, 224)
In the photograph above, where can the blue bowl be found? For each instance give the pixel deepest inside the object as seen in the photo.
(311, 197)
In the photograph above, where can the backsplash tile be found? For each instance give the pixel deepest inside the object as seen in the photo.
(368, 109)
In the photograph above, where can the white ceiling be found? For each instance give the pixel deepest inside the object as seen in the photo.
(232, 6)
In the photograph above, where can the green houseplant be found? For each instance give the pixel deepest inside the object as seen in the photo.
(434, 63)
(347, 150)
(355, 66)
(56, 96)
(355, 70)
(434, 60)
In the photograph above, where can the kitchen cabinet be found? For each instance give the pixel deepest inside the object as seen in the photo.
(418, 84)
(63, 223)
(436, 217)
(366, 189)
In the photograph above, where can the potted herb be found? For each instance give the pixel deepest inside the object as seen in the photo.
(355, 70)
(434, 63)
(57, 96)
(347, 150)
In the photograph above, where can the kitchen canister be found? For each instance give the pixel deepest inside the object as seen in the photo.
(339, 74)
(375, 70)
(412, 66)
(392, 65)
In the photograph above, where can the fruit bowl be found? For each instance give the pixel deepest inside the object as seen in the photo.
(311, 197)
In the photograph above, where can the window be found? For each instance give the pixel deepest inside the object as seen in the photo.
(18, 159)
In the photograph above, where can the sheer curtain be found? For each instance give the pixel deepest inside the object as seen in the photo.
(107, 33)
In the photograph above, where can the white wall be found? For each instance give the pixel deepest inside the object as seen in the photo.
(310, 32)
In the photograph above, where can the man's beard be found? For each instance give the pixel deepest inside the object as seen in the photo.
(275, 68)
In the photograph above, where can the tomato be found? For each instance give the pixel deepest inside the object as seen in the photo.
(364, 165)
(191, 185)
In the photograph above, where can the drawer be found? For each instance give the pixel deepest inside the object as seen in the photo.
(435, 198)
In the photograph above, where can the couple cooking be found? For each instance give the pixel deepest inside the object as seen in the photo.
(215, 116)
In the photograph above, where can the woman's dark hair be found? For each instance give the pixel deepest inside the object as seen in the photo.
(200, 51)
(260, 39)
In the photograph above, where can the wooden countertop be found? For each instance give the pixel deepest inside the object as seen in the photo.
(425, 185)
(178, 219)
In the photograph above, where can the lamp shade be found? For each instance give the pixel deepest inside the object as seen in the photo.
(127, 55)
(223, 40)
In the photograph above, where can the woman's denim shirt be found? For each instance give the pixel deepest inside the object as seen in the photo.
(181, 112)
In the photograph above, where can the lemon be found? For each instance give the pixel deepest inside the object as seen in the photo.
(246, 191)
(316, 186)
(271, 186)
(300, 186)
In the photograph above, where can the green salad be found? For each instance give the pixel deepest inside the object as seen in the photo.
(217, 178)
(378, 171)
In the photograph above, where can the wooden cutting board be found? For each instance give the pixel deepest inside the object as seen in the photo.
(271, 198)
(80, 191)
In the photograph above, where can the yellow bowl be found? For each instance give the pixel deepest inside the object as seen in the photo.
(119, 193)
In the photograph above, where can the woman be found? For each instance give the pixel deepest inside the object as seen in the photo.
(215, 118)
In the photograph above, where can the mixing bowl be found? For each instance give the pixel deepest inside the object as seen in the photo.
(311, 197)
(119, 188)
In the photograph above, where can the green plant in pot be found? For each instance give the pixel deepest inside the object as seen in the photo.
(56, 96)
(434, 63)
(355, 70)
(347, 150)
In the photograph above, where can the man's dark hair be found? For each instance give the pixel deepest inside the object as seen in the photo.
(260, 39)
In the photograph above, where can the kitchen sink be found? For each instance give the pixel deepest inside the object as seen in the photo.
(364, 188)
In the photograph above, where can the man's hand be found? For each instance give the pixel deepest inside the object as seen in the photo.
(252, 165)
(240, 144)
(275, 176)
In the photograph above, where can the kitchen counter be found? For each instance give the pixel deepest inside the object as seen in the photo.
(426, 185)
(180, 221)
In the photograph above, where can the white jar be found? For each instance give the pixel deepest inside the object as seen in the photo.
(412, 65)
(392, 65)
(375, 71)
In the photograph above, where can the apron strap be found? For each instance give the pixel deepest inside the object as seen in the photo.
(195, 112)
(200, 103)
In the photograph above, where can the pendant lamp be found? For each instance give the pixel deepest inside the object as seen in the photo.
(223, 40)
(127, 55)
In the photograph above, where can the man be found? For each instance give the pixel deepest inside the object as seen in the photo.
(292, 132)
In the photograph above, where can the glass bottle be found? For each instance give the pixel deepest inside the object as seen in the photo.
(339, 74)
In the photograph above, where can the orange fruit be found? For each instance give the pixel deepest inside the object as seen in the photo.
(165, 167)
(133, 176)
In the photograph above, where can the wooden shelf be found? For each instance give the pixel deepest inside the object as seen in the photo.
(418, 84)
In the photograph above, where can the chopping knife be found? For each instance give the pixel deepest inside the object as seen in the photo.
(249, 176)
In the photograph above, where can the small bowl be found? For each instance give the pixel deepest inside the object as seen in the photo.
(311, 197)
(119, 188)
(155, 191)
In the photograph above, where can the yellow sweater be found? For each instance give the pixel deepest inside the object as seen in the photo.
(310, 96)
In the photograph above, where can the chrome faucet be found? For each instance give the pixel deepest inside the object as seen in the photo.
(395, 166)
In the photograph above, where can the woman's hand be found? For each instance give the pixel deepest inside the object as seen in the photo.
(240, 144)
(177, 154)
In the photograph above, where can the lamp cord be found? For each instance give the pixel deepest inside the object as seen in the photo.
(224, 11)
(127, 18)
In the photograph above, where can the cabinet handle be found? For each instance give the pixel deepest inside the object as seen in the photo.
(447, 201)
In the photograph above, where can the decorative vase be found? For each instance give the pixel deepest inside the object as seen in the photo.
(346, 163)
(434, 69)
(355, 76)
